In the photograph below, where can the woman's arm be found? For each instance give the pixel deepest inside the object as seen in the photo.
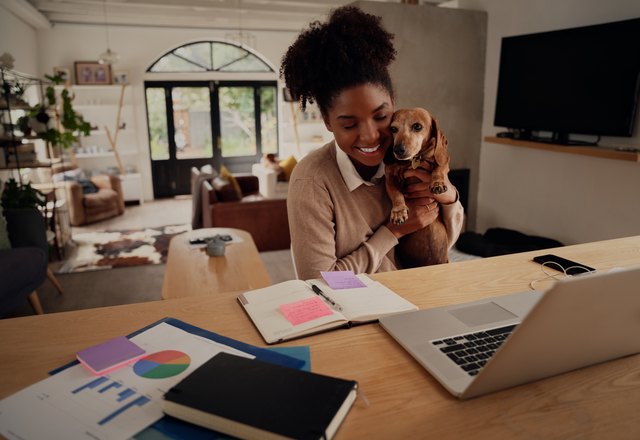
(312, 222)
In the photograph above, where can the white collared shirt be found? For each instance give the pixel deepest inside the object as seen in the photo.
(349, 173)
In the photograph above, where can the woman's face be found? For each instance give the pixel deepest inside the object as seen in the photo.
(359, 120)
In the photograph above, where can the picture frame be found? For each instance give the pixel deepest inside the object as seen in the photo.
(121, 77)
(92, 73)
(64, 73)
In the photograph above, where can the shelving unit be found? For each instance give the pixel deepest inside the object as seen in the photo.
(110, 110)
(101, 106)
(601, 152)
(19, 151)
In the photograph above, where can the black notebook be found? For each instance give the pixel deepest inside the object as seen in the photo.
(252, 399)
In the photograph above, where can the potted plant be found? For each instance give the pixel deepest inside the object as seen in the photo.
(21, 207)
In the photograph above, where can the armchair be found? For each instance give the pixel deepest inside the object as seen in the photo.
(85, 208)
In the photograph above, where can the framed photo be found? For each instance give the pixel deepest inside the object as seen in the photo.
(92, 72)
(64, 73)
(121, 77)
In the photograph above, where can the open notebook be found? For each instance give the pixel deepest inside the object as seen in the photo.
(292, 309)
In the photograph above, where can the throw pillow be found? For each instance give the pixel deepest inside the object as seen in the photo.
(225, 192)
(226, 174)
(4, 235)
(88, 187)
(287, 166)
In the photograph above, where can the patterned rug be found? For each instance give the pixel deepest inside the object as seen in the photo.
(111, 249)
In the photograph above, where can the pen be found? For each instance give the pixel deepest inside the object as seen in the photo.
(334, 304)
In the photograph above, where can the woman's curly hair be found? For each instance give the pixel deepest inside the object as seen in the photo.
(350, 49)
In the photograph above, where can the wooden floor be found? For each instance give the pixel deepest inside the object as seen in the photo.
(85, 290)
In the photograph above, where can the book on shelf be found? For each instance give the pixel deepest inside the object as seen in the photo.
(251, 399)
(297, 308)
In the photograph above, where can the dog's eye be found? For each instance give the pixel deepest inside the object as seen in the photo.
(394, 130)
(417, 126)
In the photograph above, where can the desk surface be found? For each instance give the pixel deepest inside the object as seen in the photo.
(601, 401)
(191, 272)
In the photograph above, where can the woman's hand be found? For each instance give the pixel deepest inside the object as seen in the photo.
(422, 212)
(423, 204)
(421, 187)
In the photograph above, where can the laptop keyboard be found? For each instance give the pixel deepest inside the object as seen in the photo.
(473, 350)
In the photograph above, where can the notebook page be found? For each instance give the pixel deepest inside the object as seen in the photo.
(370, 302)
(263, 306)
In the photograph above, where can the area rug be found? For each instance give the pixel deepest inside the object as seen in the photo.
(125, 248)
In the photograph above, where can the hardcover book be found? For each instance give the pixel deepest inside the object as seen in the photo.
(251, 399)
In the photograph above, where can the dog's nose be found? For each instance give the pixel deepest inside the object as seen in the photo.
(399, 150)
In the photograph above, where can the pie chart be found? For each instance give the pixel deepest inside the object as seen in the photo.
(162, 364)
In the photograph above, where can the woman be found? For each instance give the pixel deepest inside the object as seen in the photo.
(337, 204)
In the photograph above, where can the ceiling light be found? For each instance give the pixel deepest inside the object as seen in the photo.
(108, 56)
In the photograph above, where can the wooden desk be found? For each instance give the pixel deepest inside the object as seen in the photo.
(601, 401)
(191, 272)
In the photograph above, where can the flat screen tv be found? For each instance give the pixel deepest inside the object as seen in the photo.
(573, 81)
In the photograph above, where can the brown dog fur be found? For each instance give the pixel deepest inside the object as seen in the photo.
(417, 142)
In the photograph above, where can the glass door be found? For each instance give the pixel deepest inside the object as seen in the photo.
(193, 124)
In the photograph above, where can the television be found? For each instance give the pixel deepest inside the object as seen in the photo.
(573, 81)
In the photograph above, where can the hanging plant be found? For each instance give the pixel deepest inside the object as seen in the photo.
(72, 123)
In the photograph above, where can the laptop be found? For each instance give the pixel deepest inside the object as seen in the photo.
(496, 343)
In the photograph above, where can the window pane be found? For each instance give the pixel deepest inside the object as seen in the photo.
(247, 64)
(157, 114)
(199, 53)
(237, 121)
(172, 63)
(224, 54)
(192, 122)
(268, 120)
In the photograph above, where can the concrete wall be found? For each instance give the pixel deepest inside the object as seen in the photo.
(440, 66)
(571, 198)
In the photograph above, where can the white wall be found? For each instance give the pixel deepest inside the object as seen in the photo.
(138, 47)
(568, 197)
(19, 39)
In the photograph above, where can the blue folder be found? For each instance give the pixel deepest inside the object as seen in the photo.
(171, 428)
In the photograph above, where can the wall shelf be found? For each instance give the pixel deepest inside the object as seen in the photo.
(601, 152)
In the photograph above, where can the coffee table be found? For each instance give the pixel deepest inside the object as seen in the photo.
(191, 272)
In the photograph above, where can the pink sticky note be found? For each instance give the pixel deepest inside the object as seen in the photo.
(342, 279)
(305, 310)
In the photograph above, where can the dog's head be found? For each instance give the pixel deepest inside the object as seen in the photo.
(415, 134)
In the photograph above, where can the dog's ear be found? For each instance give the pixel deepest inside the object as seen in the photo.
(440, 154)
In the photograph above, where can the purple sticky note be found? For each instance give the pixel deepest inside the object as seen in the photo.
(342, 279)
(109, 355)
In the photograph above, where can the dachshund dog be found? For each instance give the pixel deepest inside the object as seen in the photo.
(417, 143)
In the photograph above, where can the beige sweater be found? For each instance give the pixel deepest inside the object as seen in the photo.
(333, 228)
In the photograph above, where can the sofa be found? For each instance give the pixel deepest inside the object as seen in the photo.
(221, 205)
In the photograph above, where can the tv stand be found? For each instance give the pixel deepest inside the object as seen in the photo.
(557, 138)
(593, 151)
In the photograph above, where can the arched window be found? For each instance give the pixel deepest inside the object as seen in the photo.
(209, 56)
(208, 102)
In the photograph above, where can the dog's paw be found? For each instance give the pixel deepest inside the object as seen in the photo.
(438, 188)
(399, 215)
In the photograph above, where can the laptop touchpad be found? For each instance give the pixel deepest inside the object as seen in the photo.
(481, 314)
